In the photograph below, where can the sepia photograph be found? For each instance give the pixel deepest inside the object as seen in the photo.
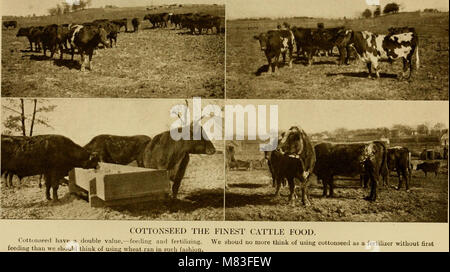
(329, 49)
(81, 159)
(113, 48)
(356, 161)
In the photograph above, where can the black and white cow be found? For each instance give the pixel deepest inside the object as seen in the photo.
(275, 43)
(372, 47)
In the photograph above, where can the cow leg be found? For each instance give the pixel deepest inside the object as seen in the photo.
(305, 193)
(374, 175)
(83, 64)
(290, 56)
(31, 45)
(400, 180)
(331, 184)
(291, 191)
(324, 187)
(90, 59)
(278, 186)
(181, 169)
(342, 55)
(405, 69)
(369, 68)
(48, 185)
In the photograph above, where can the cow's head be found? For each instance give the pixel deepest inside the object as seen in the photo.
(23, 31)
(263, 40)
(92, 162)
(292, 141)
(102, 35)
(202, 146)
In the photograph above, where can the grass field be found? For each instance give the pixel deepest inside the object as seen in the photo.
(246, 63)
(250, 197)
(200, 198)
(151, 63)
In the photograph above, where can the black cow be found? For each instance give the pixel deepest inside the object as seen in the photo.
(399, 159)
(429, 167)
(33, 35)
(51, 155)
(8, 24)
(275, 43)
(372, 47)
(136, 23)
(350, 160)
(310, 40)
(163, 152)
(118, 149)
(208, 22)
(288, 167)
(121, 23)
(55, 37)
(86, 39)
(175, 19)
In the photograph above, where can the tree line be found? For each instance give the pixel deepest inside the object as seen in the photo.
(66, 7)
(388, 9)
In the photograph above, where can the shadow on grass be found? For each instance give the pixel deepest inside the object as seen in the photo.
(361, 75)
(233, 200)
(265, 68)
(246, 185)
(71, 64)
(39, 57)
(197, 200)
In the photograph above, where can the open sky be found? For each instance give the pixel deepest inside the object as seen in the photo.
(82, 119)
(318, 8)
(40, 7)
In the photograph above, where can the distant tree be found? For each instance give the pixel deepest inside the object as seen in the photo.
(367, 13)
(403, 129)
(391, 8)
(53, 11)
(439, 126)
(66, 7)
(377, 12)
(423, 129)
(17, 118)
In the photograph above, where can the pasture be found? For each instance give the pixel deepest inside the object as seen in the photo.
(154, 62)
(200, 198)
(246, 64)
(249, 196)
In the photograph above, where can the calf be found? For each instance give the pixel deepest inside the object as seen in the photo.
(399, 159)
(372, 47)
(33, 35)
(288, 167)
(429, 167)
(275, 43)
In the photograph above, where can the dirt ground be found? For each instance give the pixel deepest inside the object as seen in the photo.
(250, 197)
(247, 64)
(150, 63)
(200, 198)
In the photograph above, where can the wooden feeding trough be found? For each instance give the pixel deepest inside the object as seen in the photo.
(113, 184)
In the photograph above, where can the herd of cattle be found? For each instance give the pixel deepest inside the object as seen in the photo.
(86, 37)
(53, 156)
(399, 43)
(296, 158)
